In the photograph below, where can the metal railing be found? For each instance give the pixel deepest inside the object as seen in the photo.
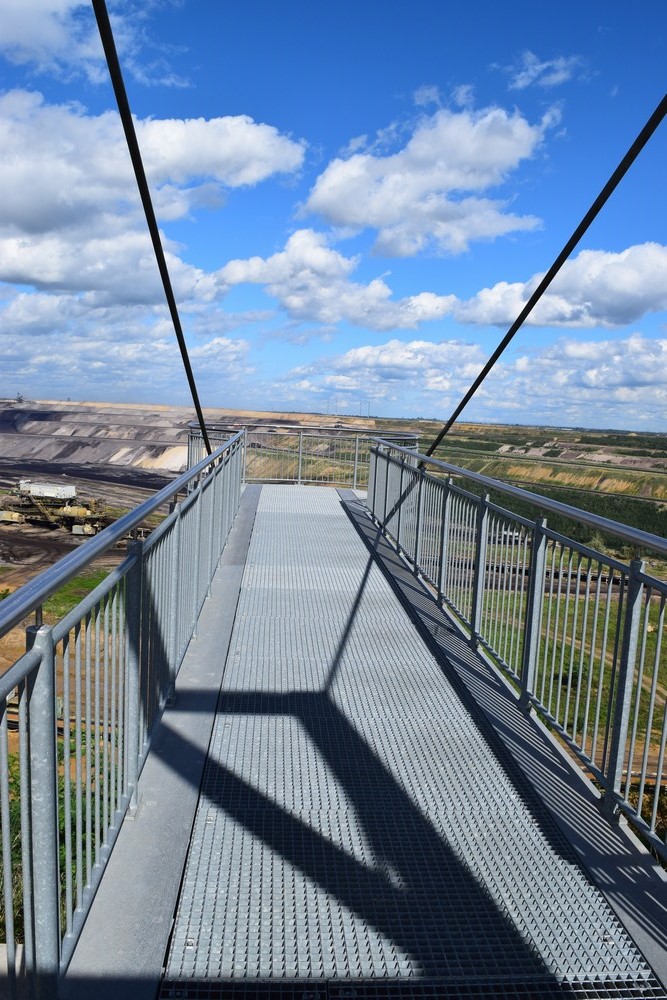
(78, 710)
(580, 632)
(313, 455)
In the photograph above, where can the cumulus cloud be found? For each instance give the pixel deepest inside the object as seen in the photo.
(119, 268)
(311, 281)
(51, 35)
(234, 150)
(106, 351)
(427, 195)
(70, 217)
(542, 72)
(394, 369)
(604, 383)
(595, 288)
(62, 166)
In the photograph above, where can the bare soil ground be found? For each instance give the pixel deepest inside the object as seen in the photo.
(25, 551)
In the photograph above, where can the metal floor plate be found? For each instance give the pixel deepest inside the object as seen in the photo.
(357, 835)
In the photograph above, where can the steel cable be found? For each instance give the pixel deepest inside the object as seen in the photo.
(623, 167)
(113, 64)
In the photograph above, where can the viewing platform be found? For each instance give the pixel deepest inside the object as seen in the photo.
(318, 742)
(376, 816)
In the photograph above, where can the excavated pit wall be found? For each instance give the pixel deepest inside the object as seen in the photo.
(102, 435)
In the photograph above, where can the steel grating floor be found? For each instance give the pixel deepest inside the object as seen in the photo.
(357, 835)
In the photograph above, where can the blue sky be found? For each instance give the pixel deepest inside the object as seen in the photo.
(355, 200)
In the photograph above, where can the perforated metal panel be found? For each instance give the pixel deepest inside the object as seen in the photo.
(357, 834)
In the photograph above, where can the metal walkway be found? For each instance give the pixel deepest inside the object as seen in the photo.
(359, 831)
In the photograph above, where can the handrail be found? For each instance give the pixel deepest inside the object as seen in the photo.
(106, 670)
(307, 429)
(33, 593)
(633, 535)
(296, 454)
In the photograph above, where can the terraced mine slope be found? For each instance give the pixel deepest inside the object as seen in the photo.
(143, 437)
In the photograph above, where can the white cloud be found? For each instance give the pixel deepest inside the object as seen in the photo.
(543, 73)
(419, 197)
(595, 288)
(51, 35)
(70, 217)
(312, 282)
(120, 269)
(426, 94)
(56, 345)
(604, 383)
(62, 166)
(233, 150)
(395, 369)
(463, 96)
(356, 143)
(60, 37)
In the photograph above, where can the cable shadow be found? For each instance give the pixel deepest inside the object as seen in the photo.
(411, 888)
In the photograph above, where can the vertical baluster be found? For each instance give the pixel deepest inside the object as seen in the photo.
(134, 630)
(419, 517)
(44, 801)
(479, 568)
(624, 688)
(534, 607)
(444, 536)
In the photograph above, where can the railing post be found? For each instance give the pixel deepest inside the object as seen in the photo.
(444, 534)
(234, 489)
(190, 447)
(356, 460)
(386, 489)
(223, 473)
(533, 616)
(372, 477)
(624, 687)
(238, 476)
(481, 538)
(44, 818)
(196, 567)
(175, 600)
(213, 494)
(228, 473)
(420, 516)
(300, 456)
(399, 521)
(133, 618)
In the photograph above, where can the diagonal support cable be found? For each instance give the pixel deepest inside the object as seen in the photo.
(109, 46)
(618, 174)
